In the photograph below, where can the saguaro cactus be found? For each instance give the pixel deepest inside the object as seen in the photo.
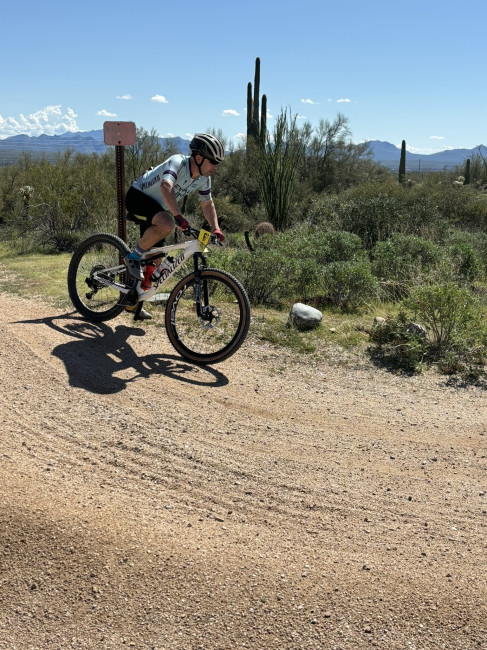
(402, 162)
(256, 128)
(255, 116)
(467, 172)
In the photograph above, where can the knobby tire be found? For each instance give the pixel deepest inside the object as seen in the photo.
(92, 300)
(219, 336)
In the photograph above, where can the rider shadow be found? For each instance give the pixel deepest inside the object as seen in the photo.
(99, 353)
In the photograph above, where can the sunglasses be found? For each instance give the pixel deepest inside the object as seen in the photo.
(212, 161)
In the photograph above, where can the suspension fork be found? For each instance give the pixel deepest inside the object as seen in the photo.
(199, 262)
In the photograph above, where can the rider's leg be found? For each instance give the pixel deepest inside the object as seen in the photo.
(153, 235)
(162, 225)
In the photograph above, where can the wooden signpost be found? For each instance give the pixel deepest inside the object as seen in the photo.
(120, 135)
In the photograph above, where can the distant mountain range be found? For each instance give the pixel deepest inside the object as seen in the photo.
(389, 155)
(92, 142)
(81, 142)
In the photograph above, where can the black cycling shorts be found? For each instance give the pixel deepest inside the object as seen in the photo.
(141, 209)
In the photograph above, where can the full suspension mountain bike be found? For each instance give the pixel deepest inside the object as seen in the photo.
(207, 314)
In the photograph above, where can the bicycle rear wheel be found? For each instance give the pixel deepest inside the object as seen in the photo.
(94, 299)
(223, 325)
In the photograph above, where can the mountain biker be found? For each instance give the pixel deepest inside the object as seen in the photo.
(152, 199)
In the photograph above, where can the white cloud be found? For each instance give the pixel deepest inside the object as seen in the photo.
(436, 137)
(308, 101)
(301, 117)
(104, 113)
(128, 96)
(230, 112)
(342, 101)
(49, 121)
(160, 99)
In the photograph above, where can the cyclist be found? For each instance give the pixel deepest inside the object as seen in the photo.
(152, 199)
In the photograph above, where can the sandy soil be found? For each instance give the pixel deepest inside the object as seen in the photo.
(261, 503)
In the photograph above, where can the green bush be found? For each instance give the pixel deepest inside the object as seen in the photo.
(375, 211)
(468, 253)
(265, 274)
(465, 261)
(403, 261)
(371, 218)
(308, 241)
(442, 324)
(399, 343)
(338, 246)
(463, 207)
(69, 198)
(348, 285)
(305, 264)
(449, 313)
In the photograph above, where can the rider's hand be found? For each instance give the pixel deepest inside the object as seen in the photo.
(219, 235)
(181, 222)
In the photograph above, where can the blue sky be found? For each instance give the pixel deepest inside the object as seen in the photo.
(398, 70)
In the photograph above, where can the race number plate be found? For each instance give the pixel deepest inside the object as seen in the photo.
(204, 237)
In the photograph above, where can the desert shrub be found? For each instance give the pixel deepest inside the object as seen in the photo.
(465, 260)
(375, 211)
(338, 246)
(267, 275)
(462, 207)
(455, 334)
(468, 251)
(372, 218)
(403, 261)
(305, 263)
(399, 344)
(332, 267)
(449, 313)
(68, 198)
(305, 241)
(348, 285)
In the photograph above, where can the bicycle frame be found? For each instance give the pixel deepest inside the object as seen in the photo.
(192, 248)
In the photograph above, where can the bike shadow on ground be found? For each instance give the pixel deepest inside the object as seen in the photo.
(99, 353)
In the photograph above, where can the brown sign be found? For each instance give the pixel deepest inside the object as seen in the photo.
(119, 133)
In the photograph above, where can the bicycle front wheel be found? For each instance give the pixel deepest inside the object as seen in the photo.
(95, 263)
(222, 326)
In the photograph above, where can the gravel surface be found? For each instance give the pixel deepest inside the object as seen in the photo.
(261, 503)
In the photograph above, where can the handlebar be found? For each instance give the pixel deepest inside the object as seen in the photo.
(194, 232)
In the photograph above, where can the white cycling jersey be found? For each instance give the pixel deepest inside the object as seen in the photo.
(177, 170)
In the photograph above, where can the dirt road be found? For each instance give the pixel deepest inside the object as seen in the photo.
(260, 504)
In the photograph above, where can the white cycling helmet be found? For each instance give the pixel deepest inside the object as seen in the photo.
(208, 146)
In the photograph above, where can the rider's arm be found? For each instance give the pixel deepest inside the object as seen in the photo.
(169, 196)
(209, 211)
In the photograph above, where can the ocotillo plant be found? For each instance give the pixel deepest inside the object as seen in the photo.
(402, 162)
(255, 128)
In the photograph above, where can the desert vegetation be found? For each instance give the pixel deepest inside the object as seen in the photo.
(343, 233)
